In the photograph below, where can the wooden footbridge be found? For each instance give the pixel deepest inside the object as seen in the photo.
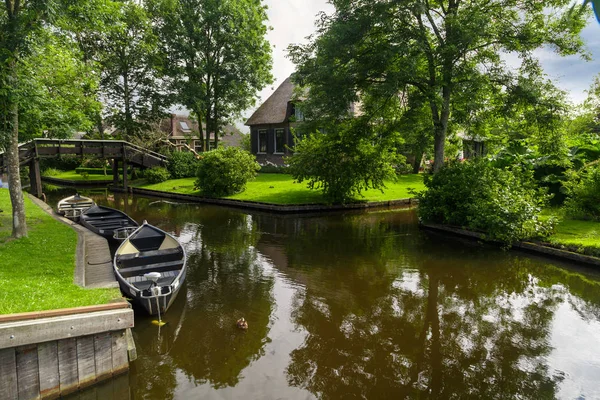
(127, 153)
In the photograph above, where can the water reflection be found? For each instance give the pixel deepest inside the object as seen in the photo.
(361, 306)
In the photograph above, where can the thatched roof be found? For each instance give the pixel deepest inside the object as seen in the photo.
(274, 109)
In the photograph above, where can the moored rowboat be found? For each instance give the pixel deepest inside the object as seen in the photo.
(105, 221)
(73, 206)
(150, 266)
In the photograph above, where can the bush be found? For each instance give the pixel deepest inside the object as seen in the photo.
(583, 193)
(225, 171)
(504, 203)
(63, 162)
(156, 175)
(345, 163)
(273, 169)
(182, 164)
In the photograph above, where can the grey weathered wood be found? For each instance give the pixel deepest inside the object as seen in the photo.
(8, 374)
(103, 347)
(28, 373)
(48, 362)
(131, 349)
(86, 361)
(56, 328)
(119, 352)
(67, 365)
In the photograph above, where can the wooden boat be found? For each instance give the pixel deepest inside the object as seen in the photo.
(105, 221)
(71, 207)
(150, 266)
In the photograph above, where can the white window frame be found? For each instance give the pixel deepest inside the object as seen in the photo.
(298, 114)
(282, 130)
(259, 142)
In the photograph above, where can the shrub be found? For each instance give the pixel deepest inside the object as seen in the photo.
(156, 175)
(504, 203)
(344, 163)
(271, 168)
(182, 164)
(583, 191)
(63, 162)
(225, 171)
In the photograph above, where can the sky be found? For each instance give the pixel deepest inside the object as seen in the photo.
(292, 21)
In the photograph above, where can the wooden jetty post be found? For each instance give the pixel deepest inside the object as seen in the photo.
(52, 353)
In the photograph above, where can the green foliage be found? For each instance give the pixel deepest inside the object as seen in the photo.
(225, 171)
(344, 163)
(182, 164)
(502, 202)
(216, 54)
(51, 172)
(156, 174)
(91, 171)
(63, 162)
(583, 191)
(448, 51)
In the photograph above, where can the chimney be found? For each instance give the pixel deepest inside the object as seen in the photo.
(173, 124)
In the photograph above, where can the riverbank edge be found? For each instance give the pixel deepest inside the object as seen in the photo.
(530, 247)
(259, 206)
(81, 249)
(77, 184)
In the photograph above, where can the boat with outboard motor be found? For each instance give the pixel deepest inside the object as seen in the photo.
(150, 266)
(108, 222)
(73, 206)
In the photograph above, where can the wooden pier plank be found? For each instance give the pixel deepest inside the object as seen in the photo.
(86, 361)
(8, 372)
(120, 362)
(67, 362)
(103, 347)
(28, 372)
(49, 376)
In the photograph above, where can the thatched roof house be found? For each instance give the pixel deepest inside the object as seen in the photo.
(270, 134)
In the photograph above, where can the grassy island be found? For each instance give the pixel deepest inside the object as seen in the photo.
(36, 272)
(282, 189)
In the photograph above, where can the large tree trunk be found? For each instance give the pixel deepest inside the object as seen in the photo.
(12, 163)
(416, 165)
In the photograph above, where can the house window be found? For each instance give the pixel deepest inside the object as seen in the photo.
(198, 146)
(279, 140)
(262, 140)
(184, 127)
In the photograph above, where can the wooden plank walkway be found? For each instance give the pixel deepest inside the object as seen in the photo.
(93, 267)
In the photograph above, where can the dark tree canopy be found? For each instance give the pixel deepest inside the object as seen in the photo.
(450, 51)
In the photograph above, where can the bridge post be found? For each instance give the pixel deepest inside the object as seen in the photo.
(125, 173)
(115, 167)
(35, 177)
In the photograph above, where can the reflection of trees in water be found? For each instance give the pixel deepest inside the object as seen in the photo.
(225, 282)
(471, 324)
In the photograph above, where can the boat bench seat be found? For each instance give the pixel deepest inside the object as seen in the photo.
(149, 257)
(127, 272)
(143, 283)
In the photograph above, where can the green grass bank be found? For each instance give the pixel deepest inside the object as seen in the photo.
(74, 176)
(577, 236)
(36, 272)
(283, 190)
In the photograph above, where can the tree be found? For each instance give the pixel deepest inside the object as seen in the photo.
(445, 49)
(19, 21)
(131, 85)
(217, 55)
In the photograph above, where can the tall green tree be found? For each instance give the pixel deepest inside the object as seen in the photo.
(132, 87)
(217, 55)
(445, 49)
(20, 20)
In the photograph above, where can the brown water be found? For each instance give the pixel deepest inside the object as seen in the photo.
(359, 306)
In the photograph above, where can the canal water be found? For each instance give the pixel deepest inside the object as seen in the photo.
(358, 305)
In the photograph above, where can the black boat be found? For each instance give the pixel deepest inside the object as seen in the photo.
(71, 207)
(107, 222)
(150, 266)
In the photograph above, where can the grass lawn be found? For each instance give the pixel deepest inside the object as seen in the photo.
(74, 176)
(282, 189)
(578, 236)
(36, 272)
